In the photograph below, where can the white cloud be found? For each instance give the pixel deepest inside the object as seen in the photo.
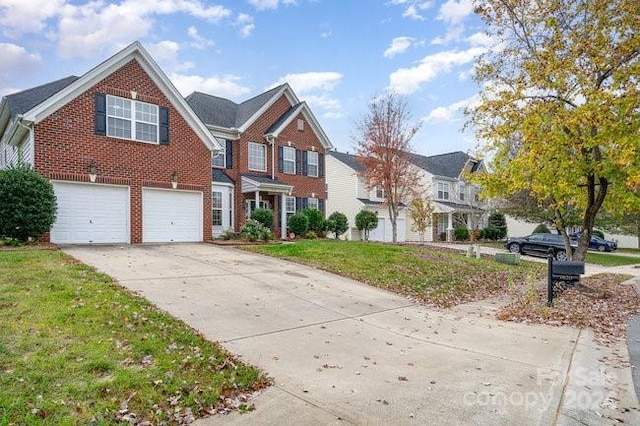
(166, 54)
(413, 8)
(16, 60)
(451, 112)
(309, 81)
(398, 45)
(21, 16)
(455, 11)
(269, 4)
(92, 28)
(480, 39)
(245, 22)
(409, 80)
(199, 42)
(331, 107)
(226, 86)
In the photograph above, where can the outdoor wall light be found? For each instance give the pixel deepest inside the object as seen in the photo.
(93, 171)
(174, 179)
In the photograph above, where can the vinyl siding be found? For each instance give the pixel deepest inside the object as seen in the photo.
(343, 191)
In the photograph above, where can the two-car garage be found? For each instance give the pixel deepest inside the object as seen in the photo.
(101, 214)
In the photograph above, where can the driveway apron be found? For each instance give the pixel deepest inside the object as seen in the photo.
(341, 352)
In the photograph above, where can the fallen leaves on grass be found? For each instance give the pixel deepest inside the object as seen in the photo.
(600, 302)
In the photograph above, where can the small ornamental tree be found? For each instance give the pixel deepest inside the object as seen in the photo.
(541, 229)
(499, 222)
(337, 224)
(264, 216)
(298, 223)
(366, 220)
(27, 203)
(420, 213)
(316, 219)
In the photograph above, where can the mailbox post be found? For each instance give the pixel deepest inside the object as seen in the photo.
(563, 273)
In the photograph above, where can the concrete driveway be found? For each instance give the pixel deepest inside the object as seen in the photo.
(341, 352)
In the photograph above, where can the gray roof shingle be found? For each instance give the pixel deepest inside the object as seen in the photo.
(220, 176)
(284, 117)
(263, 179)
(348, 159)
(449, 165)
(217, 111)
(21, 102)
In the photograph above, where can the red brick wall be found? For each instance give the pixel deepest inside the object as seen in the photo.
(65, 144)
(303, 186)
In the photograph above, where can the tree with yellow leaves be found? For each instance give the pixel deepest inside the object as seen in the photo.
(559, 110)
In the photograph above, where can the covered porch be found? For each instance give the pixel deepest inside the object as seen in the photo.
(447, 216)
(265, 192)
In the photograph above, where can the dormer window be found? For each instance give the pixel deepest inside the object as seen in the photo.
(443, 191)
(380, 193)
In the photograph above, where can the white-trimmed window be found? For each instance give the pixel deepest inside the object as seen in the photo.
(257, 157)
(288, 160)
(463, 190)
(380, 195)
(129, 119)
(312, 163)
(313, 203)
(443, 191)
(219, 160)
(216, 204)
(290, 206)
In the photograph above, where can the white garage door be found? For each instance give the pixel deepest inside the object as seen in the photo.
(90, 213)
(171, 216)
(384, 231)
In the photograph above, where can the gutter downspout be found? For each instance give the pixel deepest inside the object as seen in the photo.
(271, 141)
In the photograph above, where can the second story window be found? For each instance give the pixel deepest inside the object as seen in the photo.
(257, 157)
(380, 193)
(219, 160)
(312, 163)
(288, 160)
(463, 189)
(443, 191)
(129, 119)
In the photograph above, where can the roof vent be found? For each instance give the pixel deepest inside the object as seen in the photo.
(300, 124)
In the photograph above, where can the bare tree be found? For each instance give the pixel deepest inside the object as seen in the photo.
(382, 138)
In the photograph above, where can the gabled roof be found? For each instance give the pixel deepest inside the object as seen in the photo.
(286, 118)
(348, 159)
(449, 165)
(60, 94)
(221, 112)
(21, 102)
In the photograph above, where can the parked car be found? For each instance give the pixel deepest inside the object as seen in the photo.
(539, 245)
(597, 243)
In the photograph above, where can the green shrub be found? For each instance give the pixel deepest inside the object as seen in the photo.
(229, 234)
(337, 224)
(254, 231)
(499, 222)
(366, 220)
(298, 223)
(311, 235)
(491, 233)
(461, 233)
(316, 219)
(27, 203)
(264, 216)
(541, 229)
(597, 233)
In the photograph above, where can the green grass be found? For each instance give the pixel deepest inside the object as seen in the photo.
(635, 251)
(606, 259)
(76, 348)
(435, 276)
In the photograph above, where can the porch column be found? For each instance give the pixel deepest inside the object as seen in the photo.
(450, 228)
(283, 217)
(257, 199)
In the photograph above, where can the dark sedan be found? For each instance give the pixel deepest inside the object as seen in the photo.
(539, 245)
(600, 244)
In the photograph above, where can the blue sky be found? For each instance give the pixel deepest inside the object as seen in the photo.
(336, 54)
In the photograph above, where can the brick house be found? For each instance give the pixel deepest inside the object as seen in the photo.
(128, 158)
(273, 155)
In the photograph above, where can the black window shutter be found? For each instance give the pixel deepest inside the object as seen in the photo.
(229, 154)
(280, 159)
(299, 203)
(100, 120)
(298, 162)
(321, 206)
(304, 163)
(164, 125)
(305, 203)
(320, 165)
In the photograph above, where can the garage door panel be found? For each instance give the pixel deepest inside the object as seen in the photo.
(89, 213)
(171, 216)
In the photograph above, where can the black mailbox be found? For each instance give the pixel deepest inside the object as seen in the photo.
(561, 275)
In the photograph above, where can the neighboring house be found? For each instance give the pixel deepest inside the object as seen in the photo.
(273, 157)
(128, 158)
(455, 201)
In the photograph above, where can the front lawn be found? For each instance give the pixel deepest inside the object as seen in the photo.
(434, 276)
(607, 259)
(76, 348)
